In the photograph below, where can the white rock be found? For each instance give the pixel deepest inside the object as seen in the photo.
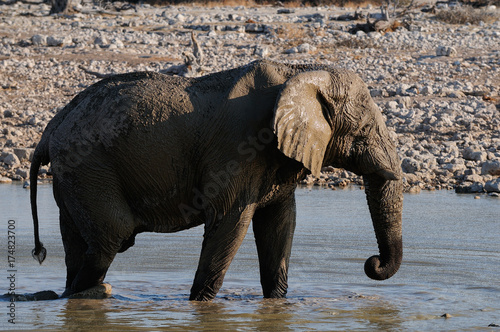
(445, 51)
(181, 18)
(58, 41)
(101, 41)
(474, 154)
(392, 105)
(303, 48)
(39, 40)
(406, 102)
(262, 51)
(5, 180)
(116, 43)
(456, 94)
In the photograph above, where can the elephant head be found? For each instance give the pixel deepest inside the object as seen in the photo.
(328, 118)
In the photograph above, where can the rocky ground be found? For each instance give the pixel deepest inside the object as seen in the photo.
(437, 84)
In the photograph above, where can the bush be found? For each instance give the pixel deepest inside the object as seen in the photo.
(467, 14)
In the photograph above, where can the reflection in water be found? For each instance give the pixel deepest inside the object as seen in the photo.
(381, 315)
(328, 290)
(273, 314)
(80, 313)
(210, 316)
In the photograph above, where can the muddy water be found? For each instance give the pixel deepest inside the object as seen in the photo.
(451, 266)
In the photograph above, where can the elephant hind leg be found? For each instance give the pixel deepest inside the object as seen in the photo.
(102, 224)
(73, 242)
(74, 246)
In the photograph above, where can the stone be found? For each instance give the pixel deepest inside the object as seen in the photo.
(262, 51)
(58, 41)
(101, 41)
(393, 105)
(453, 166)
(474, 178)
(475, 154)
(101, 291)
(254, 28)
(491, 167)
(39, 40)
(426, 91)
(406, 102)
(22, 172)
(469, 188)
(180, 18)
(38, 296)
(455, 94)
(492, 186)
(303, 48)
(410, 165)
(445, 51)
(116, 43)
(24, 153)
(11, 160)
(414, 190)
(4, 179)
(306, 48)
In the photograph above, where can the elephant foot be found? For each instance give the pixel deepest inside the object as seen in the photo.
(101, 291)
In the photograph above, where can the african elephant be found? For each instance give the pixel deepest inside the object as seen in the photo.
(146, 152)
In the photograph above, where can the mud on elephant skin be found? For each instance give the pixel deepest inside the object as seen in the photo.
(146, 152)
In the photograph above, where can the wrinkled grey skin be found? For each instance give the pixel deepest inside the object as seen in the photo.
(145, 152)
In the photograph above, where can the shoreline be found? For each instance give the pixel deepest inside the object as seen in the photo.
(437, 84)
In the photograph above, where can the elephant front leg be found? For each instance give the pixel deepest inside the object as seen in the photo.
(221, 242)
(273, 228)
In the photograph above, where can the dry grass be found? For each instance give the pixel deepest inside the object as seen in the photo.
(467, 14)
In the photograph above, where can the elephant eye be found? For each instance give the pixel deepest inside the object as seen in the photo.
(365, 126)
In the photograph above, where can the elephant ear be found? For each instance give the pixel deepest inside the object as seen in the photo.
(300, 125)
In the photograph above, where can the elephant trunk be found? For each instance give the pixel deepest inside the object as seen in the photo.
(385, 201)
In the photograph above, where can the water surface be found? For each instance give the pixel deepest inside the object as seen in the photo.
(451, 266)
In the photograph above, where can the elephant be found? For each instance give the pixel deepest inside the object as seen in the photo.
(147, 152)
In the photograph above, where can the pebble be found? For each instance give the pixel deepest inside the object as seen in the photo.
(446, 51)
(437, 85)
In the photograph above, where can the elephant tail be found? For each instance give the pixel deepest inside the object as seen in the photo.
(40, 157)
